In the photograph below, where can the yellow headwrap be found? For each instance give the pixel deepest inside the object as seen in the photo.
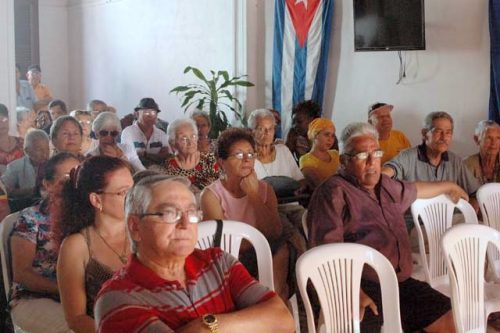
(317, 125)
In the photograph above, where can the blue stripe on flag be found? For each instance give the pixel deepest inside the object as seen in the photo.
(299, 72)
(279, 20)
(319, 82)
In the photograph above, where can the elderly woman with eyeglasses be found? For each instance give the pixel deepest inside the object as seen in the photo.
(485, 165)
(85, 120)
(107, 128)
(322, 161)
(239, 195)
(200, 168)
(34, 301)
(91, 221)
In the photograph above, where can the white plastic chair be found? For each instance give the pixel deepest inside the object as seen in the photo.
(472, 298)
(232, 234)
(436, 215)
(488, 197)
(304, 225)
(5, 229)
(335, 272)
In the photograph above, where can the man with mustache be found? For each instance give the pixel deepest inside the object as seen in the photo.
(360, 205)
(431, 161)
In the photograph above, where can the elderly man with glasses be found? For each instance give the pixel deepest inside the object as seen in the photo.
(360, 205)
(168, 285)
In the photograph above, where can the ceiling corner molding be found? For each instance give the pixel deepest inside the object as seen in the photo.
(90, 3)
(53, 3)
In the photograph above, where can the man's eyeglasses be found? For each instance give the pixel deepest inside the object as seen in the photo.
(109, 133)
(85, 122)
(186, 139)
(241, 155)
(363, 156)
(149, 112)
(172, 215)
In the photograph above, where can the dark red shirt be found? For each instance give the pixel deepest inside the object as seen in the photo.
(341, 210)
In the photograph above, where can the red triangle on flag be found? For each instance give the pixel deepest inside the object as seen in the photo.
(302, 17)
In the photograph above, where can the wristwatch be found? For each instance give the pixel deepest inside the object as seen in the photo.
(211, 322)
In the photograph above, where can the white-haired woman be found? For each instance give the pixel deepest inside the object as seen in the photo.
(20, 177)
(205, 144)
(85, 120)
(107, 129)
(200, 168)
(485, 165)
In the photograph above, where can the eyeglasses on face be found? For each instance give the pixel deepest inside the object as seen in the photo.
(265, 129)
(85, 122)
(363, 156)
(109, 133)
(241, 155)
(173, 215)
(149, 112)
(121, 193)
(186, 138)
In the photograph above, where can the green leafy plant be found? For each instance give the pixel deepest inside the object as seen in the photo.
(213, 95)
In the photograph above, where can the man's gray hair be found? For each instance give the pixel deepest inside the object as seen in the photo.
(354, 130)
(105, 119)
(21, 113)
(429, 119)
(259, 113)
(174, 125)
(199, 113)
(34, 135)
(483, 126)
(93, 103)
(139, 197)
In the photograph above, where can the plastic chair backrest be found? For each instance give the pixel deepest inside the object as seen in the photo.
(436, 215)
(488, 197)
(304, 224)
(465, 248)
(5, 229)
(335, 272)
(232, 234)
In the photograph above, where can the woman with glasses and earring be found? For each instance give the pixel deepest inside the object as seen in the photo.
(239, 195)
(322, 161)
(90, 222)
(34, 302)
(85, 120)
(200, 168)
(107, 129)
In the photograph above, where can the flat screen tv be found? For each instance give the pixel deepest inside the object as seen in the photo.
(389, 25)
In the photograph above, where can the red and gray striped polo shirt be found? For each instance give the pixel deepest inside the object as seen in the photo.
(136, 299)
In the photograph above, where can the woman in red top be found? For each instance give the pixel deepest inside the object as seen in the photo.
(11, 147)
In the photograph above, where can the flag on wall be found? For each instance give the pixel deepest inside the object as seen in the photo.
(494, 16)
(300, 53)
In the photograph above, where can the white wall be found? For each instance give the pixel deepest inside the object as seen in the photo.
(53, 32)
(7, 60)
(452, 74)
(121, 51)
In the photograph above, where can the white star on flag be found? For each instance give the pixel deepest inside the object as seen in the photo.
(299, 1)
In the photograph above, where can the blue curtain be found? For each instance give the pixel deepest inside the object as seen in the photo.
(494, 17)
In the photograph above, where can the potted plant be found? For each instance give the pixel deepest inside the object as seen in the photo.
(213, 94)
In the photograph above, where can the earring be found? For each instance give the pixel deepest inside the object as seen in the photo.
(100, 208)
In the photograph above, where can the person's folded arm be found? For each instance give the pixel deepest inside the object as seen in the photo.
(269, 316)
(23, 252)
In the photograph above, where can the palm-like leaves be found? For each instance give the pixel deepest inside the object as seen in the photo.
(213, 95)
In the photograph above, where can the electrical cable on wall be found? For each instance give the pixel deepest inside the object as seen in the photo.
(402, 66)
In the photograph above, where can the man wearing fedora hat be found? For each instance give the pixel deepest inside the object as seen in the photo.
(391, 141)
(150, 142)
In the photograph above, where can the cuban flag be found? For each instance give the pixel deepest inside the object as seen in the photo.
(300, 53)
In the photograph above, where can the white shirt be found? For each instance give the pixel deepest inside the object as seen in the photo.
(134, 136)
(283, 165)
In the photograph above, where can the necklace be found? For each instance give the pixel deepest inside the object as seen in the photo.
(123, 257)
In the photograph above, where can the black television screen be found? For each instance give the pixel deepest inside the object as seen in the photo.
(389, 25)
